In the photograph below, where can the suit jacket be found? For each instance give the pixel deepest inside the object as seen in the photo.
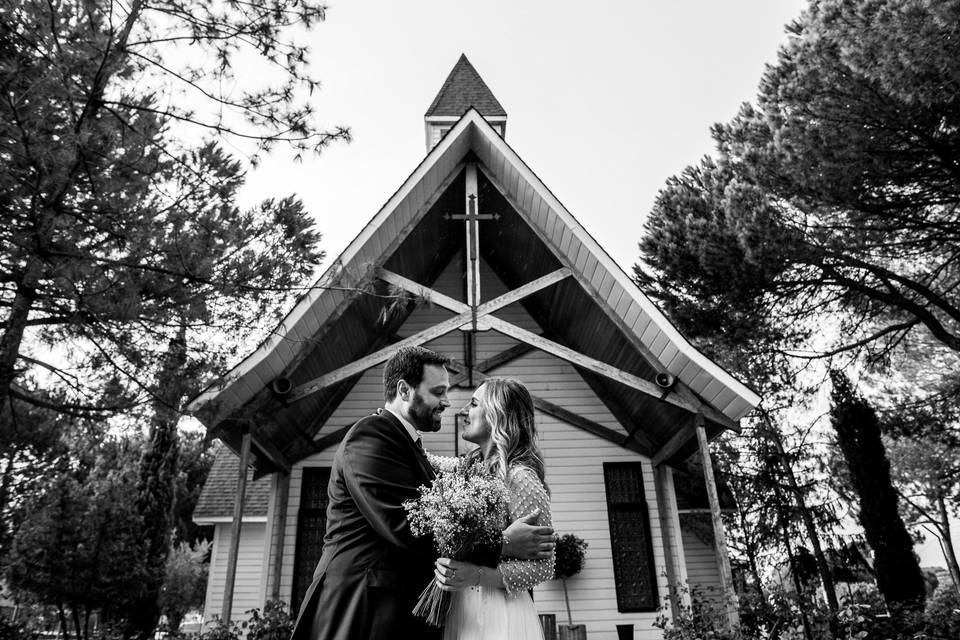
(372, 569)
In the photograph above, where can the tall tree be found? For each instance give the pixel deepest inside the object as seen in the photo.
(858, 435)
(927, 473)
(79, 547)
(837, 193)
(120, 234)
(103, 184)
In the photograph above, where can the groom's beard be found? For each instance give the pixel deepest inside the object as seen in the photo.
(423, 417)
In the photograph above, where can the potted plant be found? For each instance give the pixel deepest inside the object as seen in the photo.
(570, 556)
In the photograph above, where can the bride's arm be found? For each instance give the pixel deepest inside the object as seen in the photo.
(526, 494)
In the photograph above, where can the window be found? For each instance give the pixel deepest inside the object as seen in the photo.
(311, 526)
(634, 571)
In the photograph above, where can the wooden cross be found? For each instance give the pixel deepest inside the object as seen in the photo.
(472, 219)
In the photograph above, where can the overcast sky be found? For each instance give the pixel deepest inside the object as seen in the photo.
(605, 100)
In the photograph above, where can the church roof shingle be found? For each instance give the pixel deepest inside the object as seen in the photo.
(464, 88)
(217, 497)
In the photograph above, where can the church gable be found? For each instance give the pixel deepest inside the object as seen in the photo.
(587, 310)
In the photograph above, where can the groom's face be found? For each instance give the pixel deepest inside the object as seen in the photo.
(429, 398)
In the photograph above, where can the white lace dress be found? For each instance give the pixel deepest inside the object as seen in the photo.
(478, 613)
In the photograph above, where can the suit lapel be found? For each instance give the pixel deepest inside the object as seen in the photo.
(410, 446)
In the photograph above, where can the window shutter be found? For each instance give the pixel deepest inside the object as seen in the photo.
(311, 526)
(634, 570)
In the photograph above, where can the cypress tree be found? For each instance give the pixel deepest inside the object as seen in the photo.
(858, 434)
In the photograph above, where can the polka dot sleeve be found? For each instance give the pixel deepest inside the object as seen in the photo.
(526, 494)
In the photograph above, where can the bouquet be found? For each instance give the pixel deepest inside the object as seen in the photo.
(464, 508)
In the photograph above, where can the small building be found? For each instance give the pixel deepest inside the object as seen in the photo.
(474, 257)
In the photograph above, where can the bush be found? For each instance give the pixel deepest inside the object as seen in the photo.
(220, 630)
(943, 613)
(10, 630)
(862, 616)
(276, 623)
(705, 617)
(570, 553)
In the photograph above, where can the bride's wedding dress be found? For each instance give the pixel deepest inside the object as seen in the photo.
(478, 613)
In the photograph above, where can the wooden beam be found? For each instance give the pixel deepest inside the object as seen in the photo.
(491, 363)
(375, 358)
(677, 442)
(634, 429)
(427, 335)
(227, 608)
(523, 291)
(667, 538)
(545, 406)
(332, 438)
(432, 296)
(586, 362)
(280, 522)
(723, 557)
(588, 425)
(710, 411)
(271, 452)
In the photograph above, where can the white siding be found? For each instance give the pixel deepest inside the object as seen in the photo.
(249, 587)
(703, 574)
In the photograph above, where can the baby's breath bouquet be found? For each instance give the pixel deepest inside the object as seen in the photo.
(464, 508)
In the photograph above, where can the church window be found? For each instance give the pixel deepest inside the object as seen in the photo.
(634, 570)
(311, 526)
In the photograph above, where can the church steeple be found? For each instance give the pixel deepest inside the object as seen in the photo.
(463, 88)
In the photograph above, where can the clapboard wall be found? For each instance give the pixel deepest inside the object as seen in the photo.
(249, 585)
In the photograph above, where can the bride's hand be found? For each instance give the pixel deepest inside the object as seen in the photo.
(454, 575)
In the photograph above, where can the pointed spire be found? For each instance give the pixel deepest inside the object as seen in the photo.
(464, 88)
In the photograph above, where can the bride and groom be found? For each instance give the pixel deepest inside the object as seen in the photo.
(373, 569)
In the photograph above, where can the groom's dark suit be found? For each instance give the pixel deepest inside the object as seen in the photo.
(372, 569)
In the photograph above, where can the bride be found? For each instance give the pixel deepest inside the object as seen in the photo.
(496, 603)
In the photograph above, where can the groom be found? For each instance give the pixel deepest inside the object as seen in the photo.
(373, 569)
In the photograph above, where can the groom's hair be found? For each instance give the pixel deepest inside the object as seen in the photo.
(407, 364)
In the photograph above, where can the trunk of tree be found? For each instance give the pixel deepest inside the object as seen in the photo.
(12, 338)
(749, 548)
(158, 469)
(781, 511)
(76, 622)
(826, 577)
(566, 597)
(948, 550)
(5, 482)
(64, 627)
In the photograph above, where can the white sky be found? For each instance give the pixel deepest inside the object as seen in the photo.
(605, 100)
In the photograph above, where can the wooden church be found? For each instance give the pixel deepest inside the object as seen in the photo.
(474, 257)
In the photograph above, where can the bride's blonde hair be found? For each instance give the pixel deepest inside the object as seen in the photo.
(507, 407)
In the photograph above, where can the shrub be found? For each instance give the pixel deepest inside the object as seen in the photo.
(220, 630)
(275, 623)
(10, 630)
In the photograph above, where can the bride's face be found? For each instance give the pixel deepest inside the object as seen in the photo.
(475, 427)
